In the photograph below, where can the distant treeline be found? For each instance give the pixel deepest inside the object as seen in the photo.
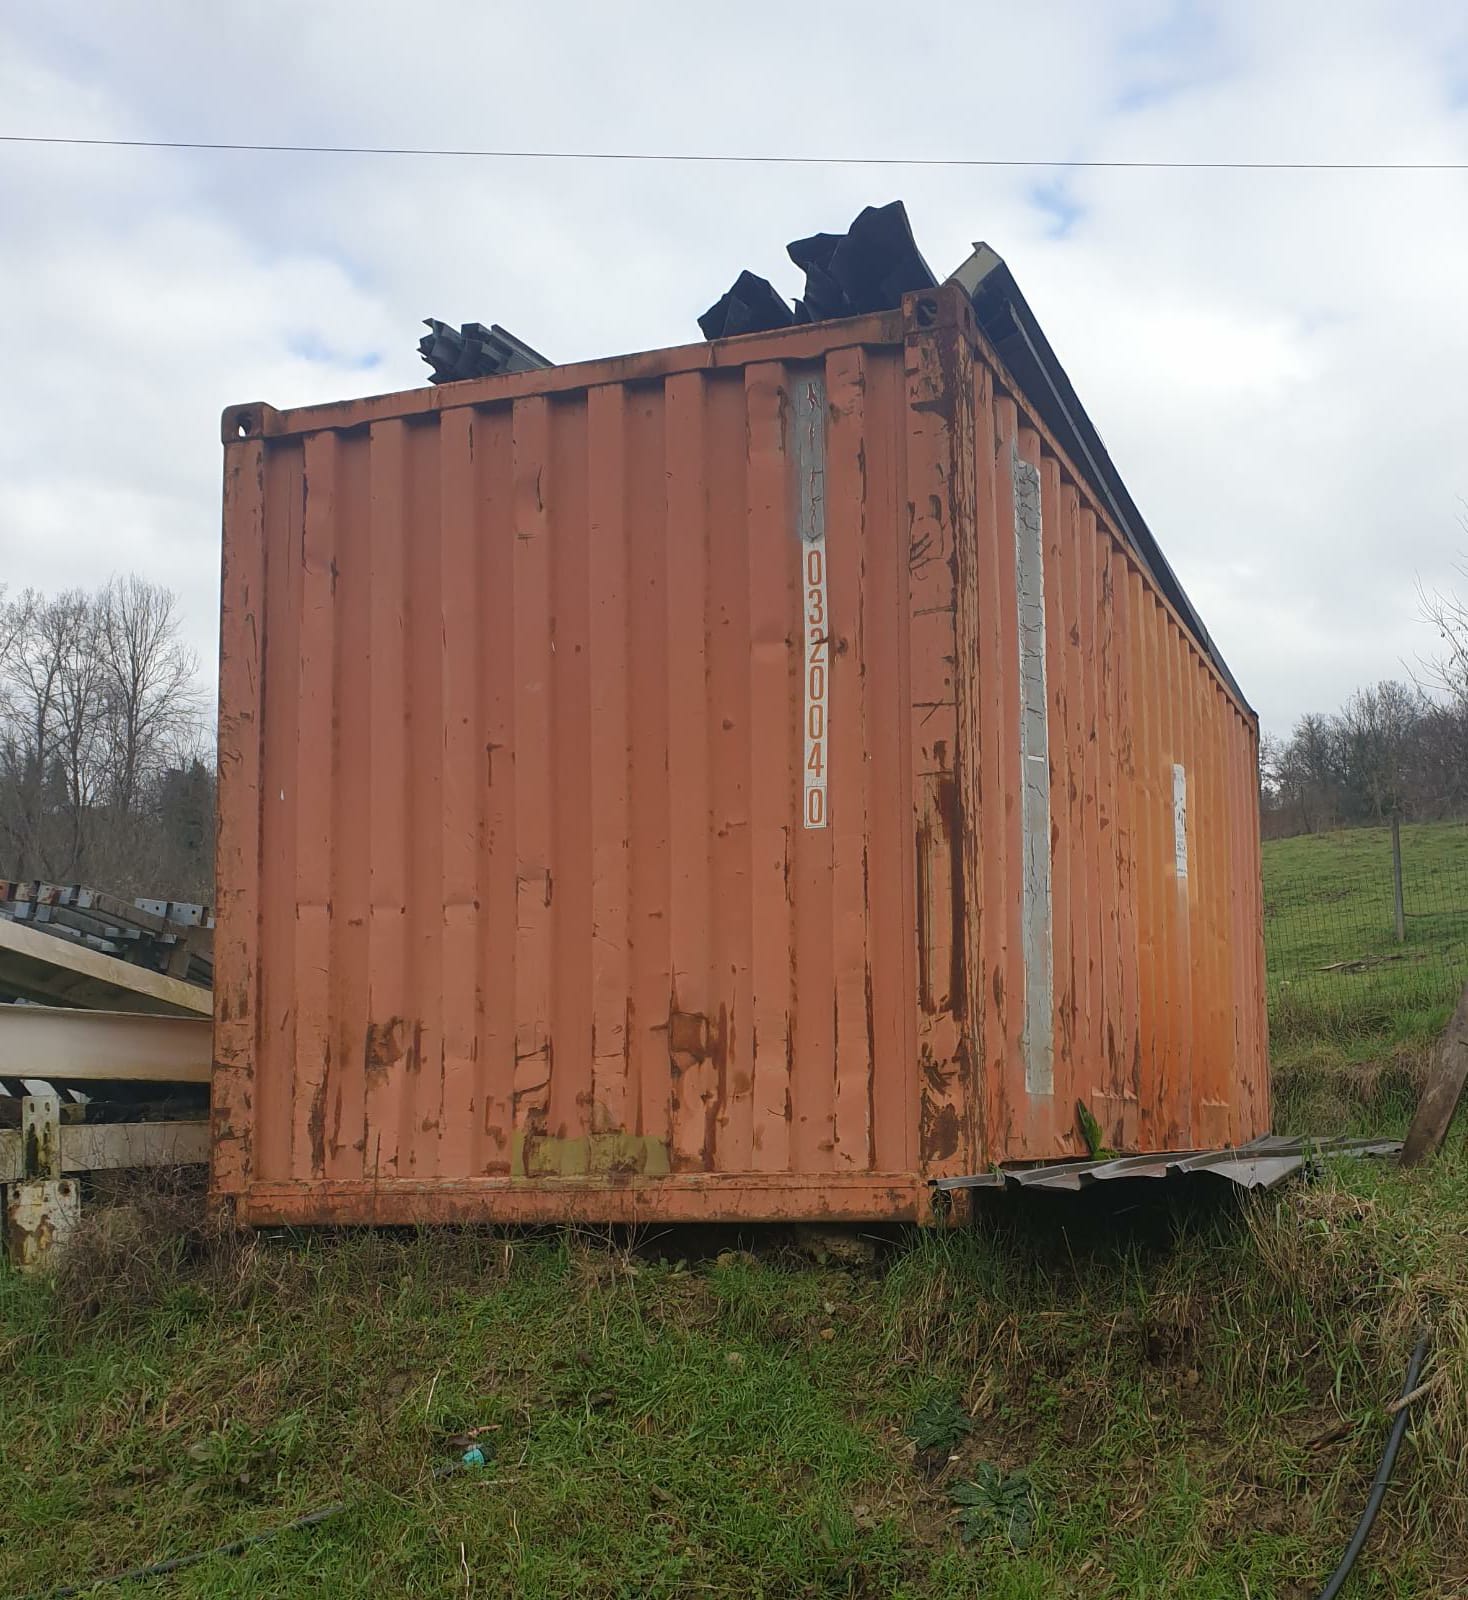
(106, 750)
(107, 764)
(1393, 750)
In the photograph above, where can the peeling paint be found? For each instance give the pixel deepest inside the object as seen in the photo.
(385, 1046)
(596, 1155)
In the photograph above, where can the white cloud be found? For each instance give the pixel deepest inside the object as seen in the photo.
(1273, 358)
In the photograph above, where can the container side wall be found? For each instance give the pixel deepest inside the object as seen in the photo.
(1145, 954)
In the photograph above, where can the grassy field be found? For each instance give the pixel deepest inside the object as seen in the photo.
(1052, 1403)
(1198, 1414)
(1340, 986)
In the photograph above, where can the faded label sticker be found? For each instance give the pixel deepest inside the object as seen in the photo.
(1180, 819)
(810, 521)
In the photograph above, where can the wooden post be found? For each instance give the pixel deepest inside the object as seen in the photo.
(1444, 1089)
(1397, 903)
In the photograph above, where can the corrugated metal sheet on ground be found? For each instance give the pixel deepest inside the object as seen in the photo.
(1260, 1164)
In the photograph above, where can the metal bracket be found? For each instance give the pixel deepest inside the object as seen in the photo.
(40, 1137)
(43, 1208)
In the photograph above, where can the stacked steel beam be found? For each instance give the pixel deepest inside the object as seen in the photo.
(169, 936)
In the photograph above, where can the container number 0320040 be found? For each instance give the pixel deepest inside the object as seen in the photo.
(817, 683)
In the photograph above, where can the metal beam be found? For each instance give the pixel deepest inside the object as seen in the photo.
(115, 1046)
(40, 966)
(103, 1146)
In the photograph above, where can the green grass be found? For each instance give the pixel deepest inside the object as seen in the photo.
(1196, 1415)
(1327, 901)
(1196, 1409)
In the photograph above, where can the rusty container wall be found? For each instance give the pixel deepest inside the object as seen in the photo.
(1119, 959)
(518, 913)
(581, 857)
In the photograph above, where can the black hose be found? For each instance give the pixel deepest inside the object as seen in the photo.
(236, 1547)
(311, 1518)
(1383, 1476)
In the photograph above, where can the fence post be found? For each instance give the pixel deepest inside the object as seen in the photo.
(1397, 904)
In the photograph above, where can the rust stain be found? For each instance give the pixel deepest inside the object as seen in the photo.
(940, 1131)
(385, 1046)
(926, 998)
(688, 1039)
(316, 1123)
(950, 814)
(715, 1096)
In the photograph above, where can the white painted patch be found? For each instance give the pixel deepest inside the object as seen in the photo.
(1034, 729)
(1180, 819)
(810, 523)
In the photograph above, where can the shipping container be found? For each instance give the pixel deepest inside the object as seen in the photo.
(745, 781)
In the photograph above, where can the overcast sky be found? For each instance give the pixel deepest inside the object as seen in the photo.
(1276, 360)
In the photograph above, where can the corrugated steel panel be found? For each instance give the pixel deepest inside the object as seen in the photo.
(528, 907)
(532, 901)
(1260, 1164)
(1155, 912)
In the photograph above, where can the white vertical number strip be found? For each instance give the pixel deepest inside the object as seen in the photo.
(1180, 819)
(810, 520)
(817, 685)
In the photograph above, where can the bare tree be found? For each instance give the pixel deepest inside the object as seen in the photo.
(12, 625)
(1394, 751)
(1375, 729)
(81, 709)
(100, 725)
(1437, 763)
(31, 673)
(58, 754)
(1305, 773)
(1271, 755)
(1445, 611)
(151, 681)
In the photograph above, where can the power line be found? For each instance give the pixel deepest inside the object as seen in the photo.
(731, 160)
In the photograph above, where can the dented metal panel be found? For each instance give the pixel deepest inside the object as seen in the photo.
(523, 912)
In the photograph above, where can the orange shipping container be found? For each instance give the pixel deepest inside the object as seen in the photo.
(750, 780)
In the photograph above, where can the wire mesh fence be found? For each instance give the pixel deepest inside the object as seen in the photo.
(1341, 961)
